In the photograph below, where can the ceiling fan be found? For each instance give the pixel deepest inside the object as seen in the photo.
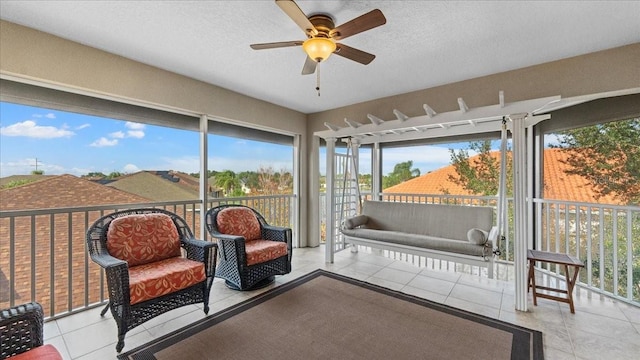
(322, 35)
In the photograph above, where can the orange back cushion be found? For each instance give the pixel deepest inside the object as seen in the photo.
(143, 238)
(239, 221)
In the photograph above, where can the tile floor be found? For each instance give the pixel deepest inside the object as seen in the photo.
(601, 328)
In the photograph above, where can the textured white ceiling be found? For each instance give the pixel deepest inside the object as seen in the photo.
(423, 44)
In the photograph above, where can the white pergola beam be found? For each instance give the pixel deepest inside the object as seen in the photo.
(463, 106)
(452, 119)
(400, 116)
(375, 120)
(332, 127)
(352, 123)
(429, 111)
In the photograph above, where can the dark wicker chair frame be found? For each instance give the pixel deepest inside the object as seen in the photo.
(233, 258)
(128, 316)
(21, 329)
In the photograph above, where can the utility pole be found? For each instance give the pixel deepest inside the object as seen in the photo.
(36, 165)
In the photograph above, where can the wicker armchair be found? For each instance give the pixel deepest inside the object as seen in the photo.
(251, 251)
(21, 334)
(143, 272)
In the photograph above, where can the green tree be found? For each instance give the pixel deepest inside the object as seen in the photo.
(94, 174)
(480, 174)
(608, 156)
(114, 175)
(249, 178)
(16, 183)
(37, 172)
(227, 181)
(401, 172)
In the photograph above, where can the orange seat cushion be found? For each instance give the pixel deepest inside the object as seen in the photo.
(163, 277)
(239, 221)
(259, 251)
(143, 238)
(44, 352)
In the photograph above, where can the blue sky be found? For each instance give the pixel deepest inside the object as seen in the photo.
(70, 143)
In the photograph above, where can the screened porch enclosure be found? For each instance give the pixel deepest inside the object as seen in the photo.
(526, 122)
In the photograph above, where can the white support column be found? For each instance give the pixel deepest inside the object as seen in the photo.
(295, 214)
(355, 168)
(376, 172)
(204, 179)
(520, 209)
(330, 201)
(530, 177)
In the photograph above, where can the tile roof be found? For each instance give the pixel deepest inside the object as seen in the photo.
(158, 185)
(63, 191)
(558, 185)
(8, 179)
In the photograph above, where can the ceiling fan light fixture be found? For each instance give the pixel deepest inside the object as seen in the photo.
(319, 48)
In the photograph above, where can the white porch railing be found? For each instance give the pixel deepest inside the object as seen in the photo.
(605, 237)
(43, 255)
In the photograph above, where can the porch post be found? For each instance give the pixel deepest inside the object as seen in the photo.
(204, 179)
(330, 201)
(376, 172)
(520, 209)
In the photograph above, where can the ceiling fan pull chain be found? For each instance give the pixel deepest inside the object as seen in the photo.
(318, 79)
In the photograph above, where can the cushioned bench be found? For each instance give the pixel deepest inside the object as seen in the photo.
(463, 234)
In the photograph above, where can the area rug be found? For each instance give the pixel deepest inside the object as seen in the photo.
(329, 316)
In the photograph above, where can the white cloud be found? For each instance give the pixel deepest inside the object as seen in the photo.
(83, 126)
(117, 135)
(103, 141)
(133, 125)
(138, 134)
(48, 116)
(135, 129)
(130, 169)
(27, 165)
(30, 128)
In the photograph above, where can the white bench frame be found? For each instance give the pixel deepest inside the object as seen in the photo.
(482, 262)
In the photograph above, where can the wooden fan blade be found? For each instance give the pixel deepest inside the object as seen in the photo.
(295, 13)
(274, 45)
(373, 18)
(309, 66)
(354, 54)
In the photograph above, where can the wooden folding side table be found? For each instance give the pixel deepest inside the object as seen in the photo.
(565, 260)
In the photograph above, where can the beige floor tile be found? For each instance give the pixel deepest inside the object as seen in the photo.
(600, 329)
(430, 284)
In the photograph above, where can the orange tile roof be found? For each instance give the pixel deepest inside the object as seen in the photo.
(558, 185)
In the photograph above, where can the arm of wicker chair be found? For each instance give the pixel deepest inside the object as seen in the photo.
(202, 251)
(117, 272)
(276, 233)
(22, 327)
(230, 245)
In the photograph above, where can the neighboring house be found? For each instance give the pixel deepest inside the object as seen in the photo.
(54, 240)
(21, 178)
(558, 185)
(59, 191)
(158, 185)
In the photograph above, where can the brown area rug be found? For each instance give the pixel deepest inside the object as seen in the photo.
(329, 316)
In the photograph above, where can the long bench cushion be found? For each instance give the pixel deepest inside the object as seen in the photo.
(421, 241)
(439, 221)
(163, 277)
